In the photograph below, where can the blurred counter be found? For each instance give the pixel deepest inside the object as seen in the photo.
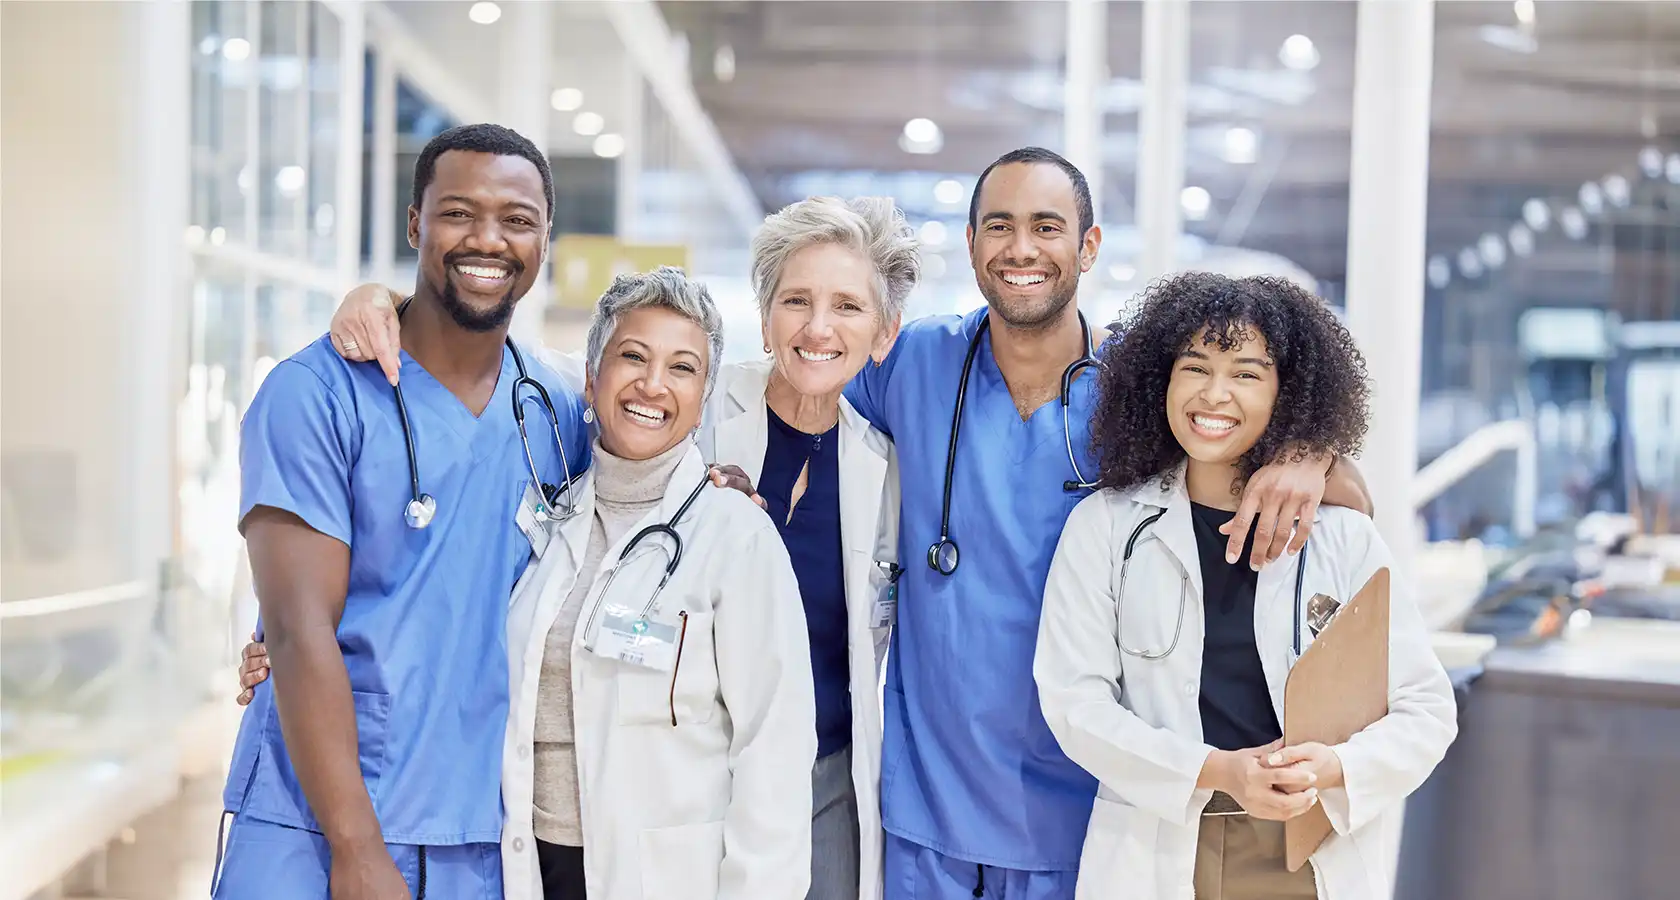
(1565, 780)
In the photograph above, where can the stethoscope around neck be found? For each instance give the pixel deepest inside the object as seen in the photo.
(422, 507)
(943, 556)
(1137, 537)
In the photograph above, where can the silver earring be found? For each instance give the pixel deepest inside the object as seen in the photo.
(588, 415)
(767, 350)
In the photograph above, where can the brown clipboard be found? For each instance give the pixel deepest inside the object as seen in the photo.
(1337, 688)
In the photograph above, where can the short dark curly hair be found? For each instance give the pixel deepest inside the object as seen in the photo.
(1323, 392)
(481, 138)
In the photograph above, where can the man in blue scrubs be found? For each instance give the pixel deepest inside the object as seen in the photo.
(977, 798)
(369, 767)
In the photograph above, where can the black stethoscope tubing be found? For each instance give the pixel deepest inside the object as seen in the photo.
(943, 555)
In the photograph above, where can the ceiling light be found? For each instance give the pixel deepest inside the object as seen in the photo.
(1521, 240)
(1506, 38)
(566, 99)
(1574, 224)
(1651, 162)
(949, 192)
(609, 146)
(236, 49)
(1492, 250)
(1195, 201)
(209, 45)
(933, 233)
(485, 13)
(921, 136)
(1439, 271)
(1592, 198)
(195, 235)
(1524, 10)
(588, 124)
(1616, 189)
(723, 63)
(1298, 53)
(218, 235)
(1241, 145)
(1536, 214)
(289, 180)
(1469, 263)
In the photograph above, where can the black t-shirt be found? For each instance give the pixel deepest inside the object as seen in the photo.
(1236, 704)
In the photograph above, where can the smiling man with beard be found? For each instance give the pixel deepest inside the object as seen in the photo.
(368, 767)
(977, 798)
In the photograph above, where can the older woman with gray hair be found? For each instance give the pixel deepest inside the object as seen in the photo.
(831, 278)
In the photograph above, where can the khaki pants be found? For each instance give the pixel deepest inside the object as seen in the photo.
(1242, 858)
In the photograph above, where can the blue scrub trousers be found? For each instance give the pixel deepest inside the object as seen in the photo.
(274, 862)
(914, 872)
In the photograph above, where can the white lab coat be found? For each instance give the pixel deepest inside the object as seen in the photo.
(1136, 723)
(735, 431)
(717, 807)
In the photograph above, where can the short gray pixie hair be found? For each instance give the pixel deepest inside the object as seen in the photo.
(871, 226)
(666, 287)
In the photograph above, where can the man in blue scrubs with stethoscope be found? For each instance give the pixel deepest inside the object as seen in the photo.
(989, 412)
(383, 537)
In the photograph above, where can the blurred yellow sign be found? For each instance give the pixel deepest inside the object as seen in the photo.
(585, 265)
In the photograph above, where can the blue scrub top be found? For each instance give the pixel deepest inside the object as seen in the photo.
(424, 627)
(969, 768)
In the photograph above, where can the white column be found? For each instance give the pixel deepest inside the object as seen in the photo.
(161, 135)
(1087, 72)
(1386, 220)
(527, 38)
(1161, 120)
(348, 200)
(628, 198)
(382, 219)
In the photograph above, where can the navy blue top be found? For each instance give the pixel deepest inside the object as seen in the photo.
(812, 536)
(1236, 704)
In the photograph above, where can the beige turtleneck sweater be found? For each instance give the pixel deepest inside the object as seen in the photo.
(625, 491)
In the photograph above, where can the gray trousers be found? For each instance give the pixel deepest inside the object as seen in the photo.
(834, 829)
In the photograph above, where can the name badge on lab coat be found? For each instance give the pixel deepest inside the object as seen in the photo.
(535, 529)
(628, 637)
(885, 612)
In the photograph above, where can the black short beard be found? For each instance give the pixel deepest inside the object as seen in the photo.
(1052, 312)
(471, 319)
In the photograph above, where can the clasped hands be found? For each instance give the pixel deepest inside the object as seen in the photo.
(1273, 782)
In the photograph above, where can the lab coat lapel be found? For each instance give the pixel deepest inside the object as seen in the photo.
(863, 471)
(743, 429)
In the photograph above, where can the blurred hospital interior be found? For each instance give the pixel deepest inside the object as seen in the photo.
(1488, 192)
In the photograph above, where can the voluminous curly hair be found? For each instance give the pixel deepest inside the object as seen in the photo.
(1323, 393)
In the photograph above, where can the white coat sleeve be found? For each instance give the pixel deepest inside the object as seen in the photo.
(1393, 756)
(570, 366)
(1078, 671)
(764, 673)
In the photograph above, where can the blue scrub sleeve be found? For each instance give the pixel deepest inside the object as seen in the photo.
(294, 451)
(867, 391)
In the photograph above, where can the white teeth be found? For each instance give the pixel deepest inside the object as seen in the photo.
(1209, 424)
(1024, 280)
(645, 412)
(482, 271)
(817, 357)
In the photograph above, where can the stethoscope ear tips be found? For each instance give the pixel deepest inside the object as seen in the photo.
(419, 512)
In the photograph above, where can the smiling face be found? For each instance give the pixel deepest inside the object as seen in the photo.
(1219, 402)
(651, 382)
(825, 321)
(481, 229)
(1025, 245)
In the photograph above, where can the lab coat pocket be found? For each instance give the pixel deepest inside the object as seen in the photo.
(1119, 857)
(681, 862)
(685, 695)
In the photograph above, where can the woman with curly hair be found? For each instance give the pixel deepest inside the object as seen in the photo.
(1173, 698)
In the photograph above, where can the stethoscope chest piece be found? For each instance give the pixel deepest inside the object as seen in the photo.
(942, 556)
(419, 511)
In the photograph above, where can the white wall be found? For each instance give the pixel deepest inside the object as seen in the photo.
(80, 239)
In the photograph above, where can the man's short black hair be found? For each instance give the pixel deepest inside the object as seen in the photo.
(481, 138)
(1081, 190)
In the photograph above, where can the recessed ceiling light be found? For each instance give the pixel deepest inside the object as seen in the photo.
(949, 192)
(1521, 240)
(566, 99)
(1195, 201)
(1492, 250)
(588, 124)
(1573, 223)
(921, 136)
(1439, 271)
(289, 180)
(723, 63)
(1469, 263)
(236, 49)
(485, 13)
(609, 146)
(1241, 145)
(1536, 213)
(933, 233)
(1298, 53)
